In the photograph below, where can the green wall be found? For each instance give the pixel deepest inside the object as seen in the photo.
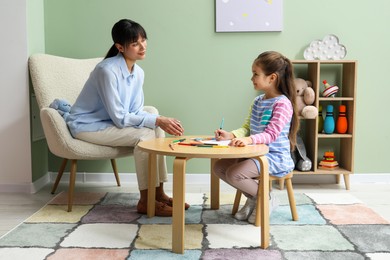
(36, 44)
(199, 76)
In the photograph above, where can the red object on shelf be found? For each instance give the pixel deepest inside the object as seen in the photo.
(342, 124)
(329, 91)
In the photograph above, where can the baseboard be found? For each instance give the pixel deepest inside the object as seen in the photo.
(357, 178)
(124, 177)
(40, 183)
(200, 178)
(26, 187)
(370, 178)
(194, 178)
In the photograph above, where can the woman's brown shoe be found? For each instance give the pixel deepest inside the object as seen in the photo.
(160, 209)
(169, 202)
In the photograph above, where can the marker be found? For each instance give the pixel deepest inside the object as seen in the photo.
(213, 146)
(189, 144)
(178, 141)
(222, 122)
(205, 145)
(199, 139)
(221, 125)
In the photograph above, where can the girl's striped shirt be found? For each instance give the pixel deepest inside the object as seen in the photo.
(269, 123)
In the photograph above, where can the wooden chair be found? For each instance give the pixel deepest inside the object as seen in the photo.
(58, 77)
(290, 193)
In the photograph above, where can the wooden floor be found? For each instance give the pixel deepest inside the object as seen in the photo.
(16, 207)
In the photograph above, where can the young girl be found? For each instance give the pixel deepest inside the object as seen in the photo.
(110, 109)
(272, 120)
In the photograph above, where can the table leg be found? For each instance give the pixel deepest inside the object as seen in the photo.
(214, 187)
(178, 220)
(264, 202)
(152, 184)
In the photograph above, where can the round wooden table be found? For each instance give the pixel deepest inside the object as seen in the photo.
(182, 153)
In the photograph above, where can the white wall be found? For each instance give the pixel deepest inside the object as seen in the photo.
(15, 147)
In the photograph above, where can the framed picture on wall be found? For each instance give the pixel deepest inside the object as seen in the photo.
(248, 15)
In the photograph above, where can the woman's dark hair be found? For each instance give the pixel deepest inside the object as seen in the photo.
(274, 62)
(124, 32)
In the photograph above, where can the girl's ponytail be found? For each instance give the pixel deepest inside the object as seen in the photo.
(274, 62)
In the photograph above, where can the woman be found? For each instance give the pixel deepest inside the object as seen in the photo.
(110, 109)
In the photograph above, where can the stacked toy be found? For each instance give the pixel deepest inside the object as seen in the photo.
(328, 162)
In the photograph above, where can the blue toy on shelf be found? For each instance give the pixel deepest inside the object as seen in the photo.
(329, 123)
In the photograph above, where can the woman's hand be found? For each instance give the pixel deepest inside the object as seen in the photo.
(222, 135)
(170, 125)
(240, 142)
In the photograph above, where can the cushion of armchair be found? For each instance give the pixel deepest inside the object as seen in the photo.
(62, 144)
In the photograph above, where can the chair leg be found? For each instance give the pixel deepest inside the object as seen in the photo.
(291, 199)
(237, 200)
(72, 181)
(59, 175)
(281, 184)
(115, 169)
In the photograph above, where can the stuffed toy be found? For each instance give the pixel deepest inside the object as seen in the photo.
(62, 106)
(301, 161)
(305, 99)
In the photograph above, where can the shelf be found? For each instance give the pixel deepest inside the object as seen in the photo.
(342, 73)
(323, 61)
(333, 99)
(335, 136)
(324, 172)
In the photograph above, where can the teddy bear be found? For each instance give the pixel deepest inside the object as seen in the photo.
(62, 106)
(305, 99)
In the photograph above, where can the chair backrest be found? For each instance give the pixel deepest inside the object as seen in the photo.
(58, 77)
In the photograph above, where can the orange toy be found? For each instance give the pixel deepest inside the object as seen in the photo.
(342, 124)
(328, 162)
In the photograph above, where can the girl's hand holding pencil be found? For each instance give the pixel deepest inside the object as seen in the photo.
(223, 135)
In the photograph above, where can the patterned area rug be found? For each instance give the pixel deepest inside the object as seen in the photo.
(107, 226)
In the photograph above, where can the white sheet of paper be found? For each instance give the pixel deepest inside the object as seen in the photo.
(223, 142)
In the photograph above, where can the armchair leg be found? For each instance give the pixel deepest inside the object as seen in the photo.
(72, 181)
(115, 169)
(59, 175)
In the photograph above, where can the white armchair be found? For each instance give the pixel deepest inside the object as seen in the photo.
(58, 77)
